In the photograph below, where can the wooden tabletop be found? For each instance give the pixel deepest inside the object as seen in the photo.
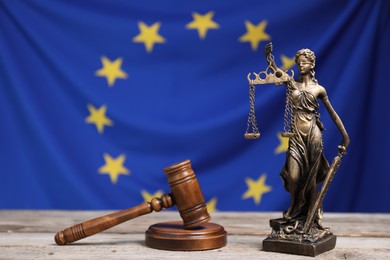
(30, 235)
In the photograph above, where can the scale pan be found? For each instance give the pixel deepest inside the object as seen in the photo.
(251, 135)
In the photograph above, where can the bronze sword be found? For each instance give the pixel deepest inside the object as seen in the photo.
(328, 179)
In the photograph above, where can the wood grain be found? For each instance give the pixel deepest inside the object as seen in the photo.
(29, 235)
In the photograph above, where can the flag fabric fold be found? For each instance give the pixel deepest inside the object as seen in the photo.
(96, 98)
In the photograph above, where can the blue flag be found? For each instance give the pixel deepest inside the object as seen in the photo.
(96, 98)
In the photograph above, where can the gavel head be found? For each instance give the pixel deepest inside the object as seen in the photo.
(187, 194)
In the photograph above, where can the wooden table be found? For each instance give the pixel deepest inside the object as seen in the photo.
(29, 235)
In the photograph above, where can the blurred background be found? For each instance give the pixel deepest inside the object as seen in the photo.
(97, 97)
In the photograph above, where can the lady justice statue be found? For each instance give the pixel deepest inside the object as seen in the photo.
(299, 231)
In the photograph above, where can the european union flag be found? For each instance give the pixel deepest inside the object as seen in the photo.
(96, 98)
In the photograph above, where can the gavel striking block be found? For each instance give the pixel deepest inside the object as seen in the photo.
(185, 194)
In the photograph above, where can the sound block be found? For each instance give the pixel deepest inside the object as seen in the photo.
(172, 236)
(300, 248)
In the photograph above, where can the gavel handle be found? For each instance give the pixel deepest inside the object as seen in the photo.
(94, 226)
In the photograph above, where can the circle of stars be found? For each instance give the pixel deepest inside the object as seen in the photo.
(149, 36)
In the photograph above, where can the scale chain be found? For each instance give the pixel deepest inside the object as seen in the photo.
(252, 123)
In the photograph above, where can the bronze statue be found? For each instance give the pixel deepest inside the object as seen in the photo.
(305, 166)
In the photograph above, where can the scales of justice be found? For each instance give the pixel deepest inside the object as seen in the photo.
(300, 231)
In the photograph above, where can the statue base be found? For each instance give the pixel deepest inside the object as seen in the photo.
(287, 237)
(172, 236)
(300, 248)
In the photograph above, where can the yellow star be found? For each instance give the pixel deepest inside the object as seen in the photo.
(148, 197)
(283, 146)
(98, 117)
(211, 205)
(288, 63)
(149, 35)
(256, 189)
(255, 34)
(202, 23)
(111, 70)
(114, 167)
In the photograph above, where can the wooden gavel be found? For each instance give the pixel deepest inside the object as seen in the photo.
(185, 194)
